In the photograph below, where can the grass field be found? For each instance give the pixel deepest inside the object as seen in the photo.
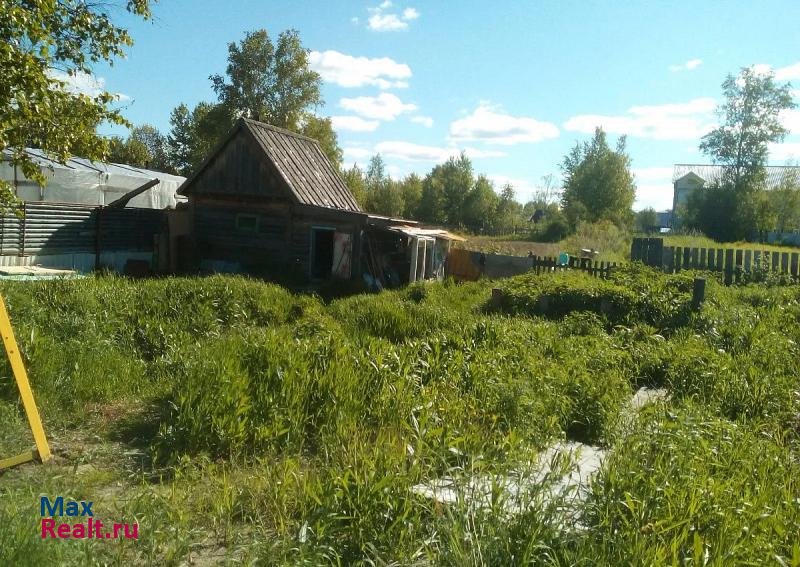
(613, 247)
(237, 423)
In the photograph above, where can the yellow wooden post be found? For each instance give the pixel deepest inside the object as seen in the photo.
(18, 367)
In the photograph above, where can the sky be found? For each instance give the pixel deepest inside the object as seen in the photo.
(513, 84)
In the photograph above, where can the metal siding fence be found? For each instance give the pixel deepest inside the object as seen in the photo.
(64, 228)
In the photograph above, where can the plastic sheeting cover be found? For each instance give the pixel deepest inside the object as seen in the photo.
(92, 183)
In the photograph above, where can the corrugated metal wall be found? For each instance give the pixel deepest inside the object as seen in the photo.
(62, 228)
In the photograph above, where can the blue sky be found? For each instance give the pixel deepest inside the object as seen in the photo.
(514, 84)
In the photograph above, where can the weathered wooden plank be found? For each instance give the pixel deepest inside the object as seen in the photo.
(794, 264)
(747, 258)
(636, 249)
(669, 259)
(656, 252)
(703, 259)
(775, 261)
(785, 262)
(729, 266)
(738, 266)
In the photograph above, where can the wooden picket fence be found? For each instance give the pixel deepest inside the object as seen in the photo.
(544, 264)
(733, 262)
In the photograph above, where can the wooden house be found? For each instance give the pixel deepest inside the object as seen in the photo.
(268, 202)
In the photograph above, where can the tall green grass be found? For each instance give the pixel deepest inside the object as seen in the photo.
(281, 429)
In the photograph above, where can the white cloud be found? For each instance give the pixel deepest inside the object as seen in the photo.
(690, 65)
(697, 106)
(477, 153)
(787, 73)
(408, 151)
(382, 20)
(684, 121)
(356, 153)
(385, 106)
(761, 68)
(354, 124)
(83, 83)
(413, 152)
(490, 125)
(349, 71)
(790, 119)
(653, 188)
(655, 195)
(787, 151)
(426, 121)
(386, 22)
(653, 173)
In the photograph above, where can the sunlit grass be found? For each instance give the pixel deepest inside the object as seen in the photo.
(238, 422)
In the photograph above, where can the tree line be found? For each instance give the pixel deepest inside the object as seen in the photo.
(265, 80)
(271, 80)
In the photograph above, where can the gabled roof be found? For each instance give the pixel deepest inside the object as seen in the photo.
(709, 173)
(300, 163)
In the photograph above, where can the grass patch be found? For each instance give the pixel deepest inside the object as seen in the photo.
(237, 422)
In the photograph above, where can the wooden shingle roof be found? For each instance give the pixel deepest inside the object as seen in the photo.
(300, 163)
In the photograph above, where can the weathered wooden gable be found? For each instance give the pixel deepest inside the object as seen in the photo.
(240, 169)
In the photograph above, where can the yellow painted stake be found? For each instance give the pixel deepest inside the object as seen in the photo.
(18, 367)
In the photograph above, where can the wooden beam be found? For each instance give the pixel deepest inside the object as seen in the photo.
(18, 460)
(18, 367)
(122, 201)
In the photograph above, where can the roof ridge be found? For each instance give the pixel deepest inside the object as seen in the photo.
(721, 165)
(260, 124)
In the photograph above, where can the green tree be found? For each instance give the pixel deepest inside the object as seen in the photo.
(598, 184)
(44, 43)
(646, 220)
(509, 211)
(387, 199)
(383, 196)
(268, 82)
(354, 179)
(735, 206)
(480, 208)
(156, 144)
(749, 122)
(411, 188)
(445, 190)
(264, 81)
(785, 202)
(130, 152)
(195, 134)
(321, 129)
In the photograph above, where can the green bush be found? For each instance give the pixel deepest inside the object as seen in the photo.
(632, 295)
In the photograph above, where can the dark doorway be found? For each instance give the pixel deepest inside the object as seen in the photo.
(321, 252)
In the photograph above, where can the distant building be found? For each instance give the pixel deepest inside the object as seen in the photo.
(688, 178)
(664, 219)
